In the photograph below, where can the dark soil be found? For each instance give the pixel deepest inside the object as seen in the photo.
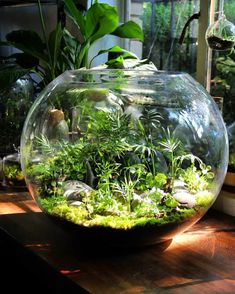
(219, 44)
(231, 168)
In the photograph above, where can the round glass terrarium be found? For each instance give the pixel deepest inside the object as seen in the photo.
(133, 157)
(12, 173)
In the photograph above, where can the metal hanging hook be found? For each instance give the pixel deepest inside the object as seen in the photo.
(192, 17)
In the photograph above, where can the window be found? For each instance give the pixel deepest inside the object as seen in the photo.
(163, 22)
(223, 68)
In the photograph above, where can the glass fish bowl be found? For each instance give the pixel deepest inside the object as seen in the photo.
(132, 157)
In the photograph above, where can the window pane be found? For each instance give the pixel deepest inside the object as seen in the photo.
(223, 81)
(163, 22)
(223, 71)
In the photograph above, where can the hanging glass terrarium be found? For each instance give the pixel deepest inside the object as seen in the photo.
(135, 156)
(16, 93)
(220, 35)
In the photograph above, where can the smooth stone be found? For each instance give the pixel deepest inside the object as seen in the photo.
(185, 198)
(136, 200)
(179, 186)
(76, 203)
(72, 189)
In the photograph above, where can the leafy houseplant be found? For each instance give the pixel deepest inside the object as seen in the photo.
(120, 164)
(51, 55)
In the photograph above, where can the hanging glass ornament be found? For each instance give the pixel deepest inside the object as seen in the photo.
(221, 34)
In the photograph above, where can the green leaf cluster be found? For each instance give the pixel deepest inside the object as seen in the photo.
(125, 178)
(13, 172)
(60, 50)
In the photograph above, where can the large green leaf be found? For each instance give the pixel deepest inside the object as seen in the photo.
(76, 16)
(119, 56)
(70, 40)
(130, 30)
(101, 19)
(117, 49)
(25, 60)
(29, 42)
(225, 65)
(71, 49)
(116, 63)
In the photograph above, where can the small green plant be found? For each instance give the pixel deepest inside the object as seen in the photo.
(117, 157)
(156, 181)
(13, 172)
(197, 179)
(170, 147)
(13, 175)
(232, 159)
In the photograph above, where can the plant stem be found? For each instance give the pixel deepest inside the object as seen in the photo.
(83, 55)
(153, 164)
(45, 39)
(172, 169)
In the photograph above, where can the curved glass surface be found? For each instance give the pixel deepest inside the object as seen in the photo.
(136, 155)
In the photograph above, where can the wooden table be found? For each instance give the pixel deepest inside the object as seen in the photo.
(201, 260)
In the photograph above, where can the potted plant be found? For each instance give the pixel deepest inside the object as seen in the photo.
(16, 97)
(60, 50)
(12, 173)
(51, 55)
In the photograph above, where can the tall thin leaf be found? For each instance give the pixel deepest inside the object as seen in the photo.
(55, 44)
(76, 16)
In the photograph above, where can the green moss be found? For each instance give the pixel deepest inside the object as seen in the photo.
(73, 214)
(232, 159)
(58, 206)
(50, 204)
(204, 198)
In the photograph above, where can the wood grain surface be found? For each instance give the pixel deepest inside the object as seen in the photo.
(201, 260)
